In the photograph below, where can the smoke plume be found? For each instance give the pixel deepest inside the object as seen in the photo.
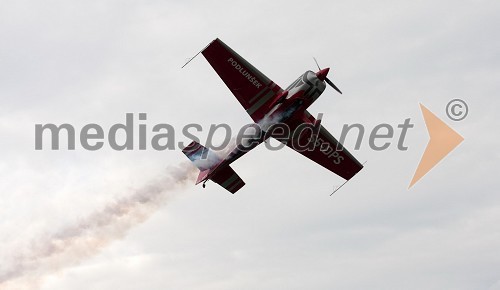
(73, 243)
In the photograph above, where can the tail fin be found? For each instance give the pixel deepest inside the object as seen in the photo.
(201, 157)
(208, 162)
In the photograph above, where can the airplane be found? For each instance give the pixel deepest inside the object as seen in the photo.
(268, 104)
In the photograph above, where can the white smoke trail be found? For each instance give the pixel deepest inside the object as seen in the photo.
(75, 242)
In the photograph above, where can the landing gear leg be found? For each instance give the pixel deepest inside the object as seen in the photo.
(203, 184)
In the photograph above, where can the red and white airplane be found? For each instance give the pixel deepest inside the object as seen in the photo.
(267, 103)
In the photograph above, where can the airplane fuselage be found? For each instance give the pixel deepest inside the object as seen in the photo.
(297, 98)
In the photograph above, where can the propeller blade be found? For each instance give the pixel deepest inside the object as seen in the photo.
(316, 63)
(332, 85)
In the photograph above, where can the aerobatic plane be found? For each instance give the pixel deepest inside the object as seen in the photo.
(268, 104)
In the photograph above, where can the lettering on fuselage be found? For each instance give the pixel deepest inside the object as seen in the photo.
(245, 73)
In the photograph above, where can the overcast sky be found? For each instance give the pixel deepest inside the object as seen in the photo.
(82, 62)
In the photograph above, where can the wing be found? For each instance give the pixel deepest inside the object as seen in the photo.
(251, 87)
(327, 151)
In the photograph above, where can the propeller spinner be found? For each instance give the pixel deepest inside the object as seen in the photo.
(321, 74)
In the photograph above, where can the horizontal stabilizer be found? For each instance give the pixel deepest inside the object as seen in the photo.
(210, 166)
(227, 178)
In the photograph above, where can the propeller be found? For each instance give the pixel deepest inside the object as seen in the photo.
(323, 73)
(316, 63)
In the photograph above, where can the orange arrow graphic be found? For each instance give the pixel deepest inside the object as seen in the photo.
(442, 140)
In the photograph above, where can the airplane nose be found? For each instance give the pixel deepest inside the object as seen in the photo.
(322, 73)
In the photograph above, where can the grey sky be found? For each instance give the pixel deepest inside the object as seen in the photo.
(83, 62)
